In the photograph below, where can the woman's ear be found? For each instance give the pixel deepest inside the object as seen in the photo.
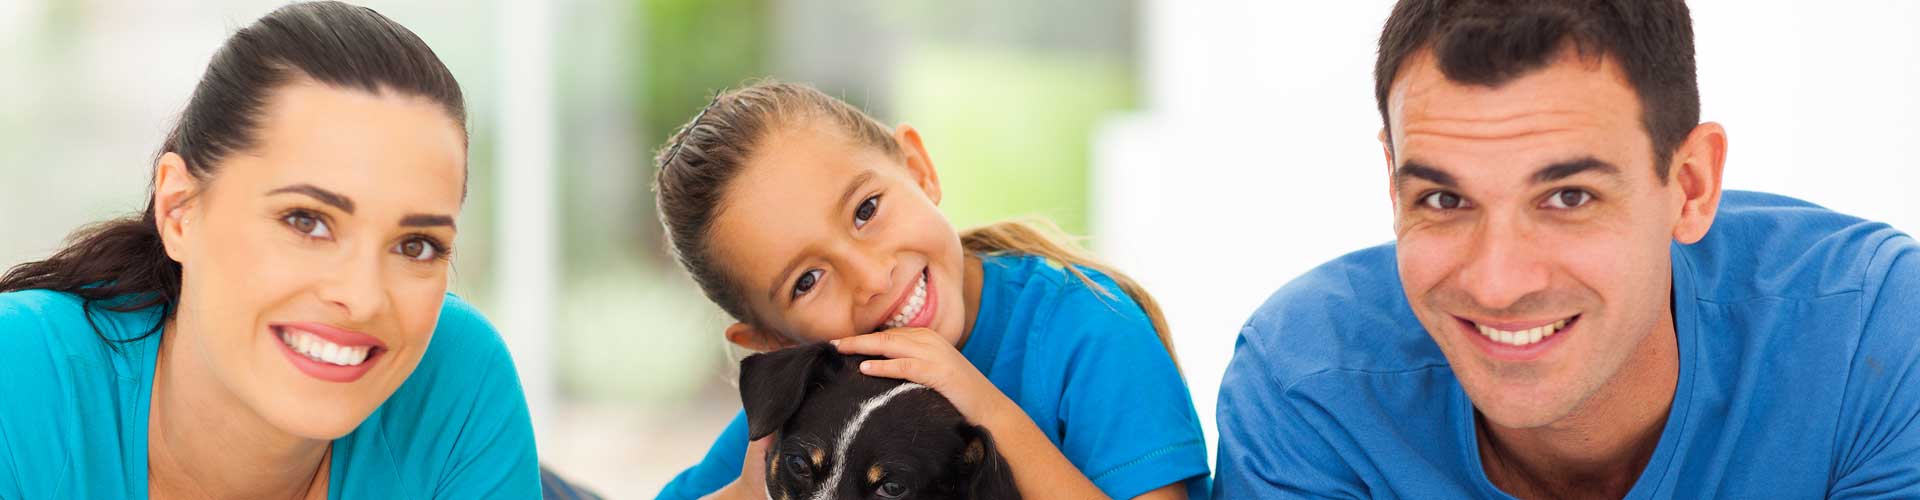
(918, 162)
(754, 339)
(173, 191)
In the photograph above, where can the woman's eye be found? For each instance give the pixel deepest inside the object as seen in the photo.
(1568, 198)
(1442, 200)
(308, 225)
(798, 467)
(891, 489)
(866, 211)
(806, 282)
(418, 249)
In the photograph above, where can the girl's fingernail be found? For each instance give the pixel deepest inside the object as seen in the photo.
(834, 342)
(866, 366)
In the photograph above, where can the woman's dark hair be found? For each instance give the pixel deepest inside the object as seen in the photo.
(1490, 42)
(120, 264)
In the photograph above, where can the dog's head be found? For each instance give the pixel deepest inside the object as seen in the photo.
(844, 435)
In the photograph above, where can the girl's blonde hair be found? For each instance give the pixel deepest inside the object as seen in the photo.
(702, 158)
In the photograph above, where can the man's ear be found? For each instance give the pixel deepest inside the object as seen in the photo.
(918, 162)
(773, 384)
(1697, 165)
(173, 191)
(755, 339)
(984, 471)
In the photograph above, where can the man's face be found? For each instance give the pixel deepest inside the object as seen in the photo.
(1533, 231)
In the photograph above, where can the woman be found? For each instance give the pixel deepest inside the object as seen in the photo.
(276, 323)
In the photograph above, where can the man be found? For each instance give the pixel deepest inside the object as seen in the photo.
(1571, 308)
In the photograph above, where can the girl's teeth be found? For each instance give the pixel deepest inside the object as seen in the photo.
(913, 305)
(1523, 337)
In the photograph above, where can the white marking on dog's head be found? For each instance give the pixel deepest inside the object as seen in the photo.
(825, 491)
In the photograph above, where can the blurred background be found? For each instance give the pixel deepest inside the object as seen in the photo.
(1212, 149)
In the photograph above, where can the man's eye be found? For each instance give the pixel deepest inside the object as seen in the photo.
(1442, 200)
(806, 282)
(1569, 198)
(868, 208)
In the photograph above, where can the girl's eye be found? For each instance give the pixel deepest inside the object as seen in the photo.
(868, 208)
(798, 466)
(891, 489)
(806, 282)
(1442, 200)
(418, 249)
(307, 224)
(1569, 198)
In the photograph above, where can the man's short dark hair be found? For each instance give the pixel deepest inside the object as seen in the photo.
(1491, 42)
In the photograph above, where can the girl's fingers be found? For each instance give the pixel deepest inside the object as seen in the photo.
(909, 369)
(899, 343)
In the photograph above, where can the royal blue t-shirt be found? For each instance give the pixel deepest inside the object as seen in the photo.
(1086, 366)
(1799, 342)
(73, 411)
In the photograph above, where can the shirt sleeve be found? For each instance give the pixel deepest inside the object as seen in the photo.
(1271, 446)
(720, 467)
(1881, 459)
(1125, 416)
(473, 414)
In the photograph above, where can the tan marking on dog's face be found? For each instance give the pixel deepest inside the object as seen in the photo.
(873, 474)
(819, 458)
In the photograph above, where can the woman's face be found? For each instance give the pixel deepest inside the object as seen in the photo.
(315, 263)
(830, 238)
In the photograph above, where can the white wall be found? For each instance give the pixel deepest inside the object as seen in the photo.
(1255, 158)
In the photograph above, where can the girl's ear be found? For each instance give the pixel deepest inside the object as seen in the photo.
(754, 339)
(918, 162)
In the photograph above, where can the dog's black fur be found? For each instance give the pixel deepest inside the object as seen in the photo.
(916, 445)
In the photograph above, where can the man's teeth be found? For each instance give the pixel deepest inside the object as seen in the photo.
(913, 305)
(1523, 337)
(317, 349)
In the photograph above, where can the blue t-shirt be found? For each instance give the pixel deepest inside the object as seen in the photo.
(1086, 367)
(1799, 346)
(73, 411)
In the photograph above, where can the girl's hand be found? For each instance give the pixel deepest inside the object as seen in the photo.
(921, 356)
(752, 483)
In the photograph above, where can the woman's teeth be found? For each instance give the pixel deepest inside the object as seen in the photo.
(317, 349)
(913, 305)
(1523, 337)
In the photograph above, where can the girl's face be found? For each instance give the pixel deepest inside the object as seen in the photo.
(829, 239)
(315, 263)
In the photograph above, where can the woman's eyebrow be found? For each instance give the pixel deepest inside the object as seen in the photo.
(338, 200)
(426, 220)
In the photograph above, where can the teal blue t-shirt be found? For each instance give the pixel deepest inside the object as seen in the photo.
(73, 411)
(1798, 336)
(1086, 366)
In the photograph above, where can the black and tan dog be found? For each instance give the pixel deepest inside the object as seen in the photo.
(844, 435)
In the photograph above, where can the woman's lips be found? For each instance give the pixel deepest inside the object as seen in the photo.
(326, 352)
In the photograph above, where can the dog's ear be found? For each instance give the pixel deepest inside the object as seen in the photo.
(773, 384)
(984, 472)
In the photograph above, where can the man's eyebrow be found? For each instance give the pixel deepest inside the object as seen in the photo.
(1571, 168)
(338, 200)
(1416, 170)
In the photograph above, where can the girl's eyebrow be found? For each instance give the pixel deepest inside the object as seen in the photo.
(853, 187)
(338, 200)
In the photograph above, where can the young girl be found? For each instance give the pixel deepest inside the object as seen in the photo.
(808, 221)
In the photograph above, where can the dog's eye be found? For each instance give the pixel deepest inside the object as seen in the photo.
(891, 489)
(798, 466)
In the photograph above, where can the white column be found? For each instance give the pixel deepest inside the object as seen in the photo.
(526, 235)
